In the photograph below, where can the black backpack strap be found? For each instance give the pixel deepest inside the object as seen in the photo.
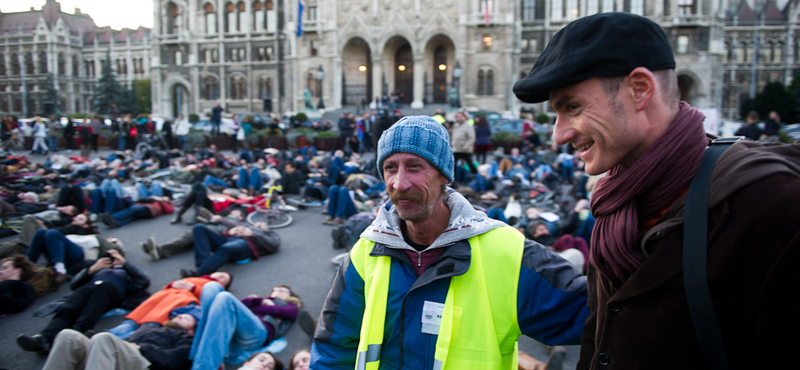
(695, 258)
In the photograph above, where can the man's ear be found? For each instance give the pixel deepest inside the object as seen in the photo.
(641, 83)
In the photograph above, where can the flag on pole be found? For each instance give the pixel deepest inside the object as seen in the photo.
(486, 12)
(299, 19)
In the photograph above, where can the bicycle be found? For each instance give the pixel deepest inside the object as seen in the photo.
(275, 217)
(152, 141)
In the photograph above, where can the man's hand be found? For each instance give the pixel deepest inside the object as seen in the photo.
(182, 284)
(526, 362)
(118, 260)
(101, 263)
(215, 218)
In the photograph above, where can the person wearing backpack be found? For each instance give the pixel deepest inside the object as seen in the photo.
(617, 104)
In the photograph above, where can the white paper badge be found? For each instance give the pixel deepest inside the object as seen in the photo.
(432, 317)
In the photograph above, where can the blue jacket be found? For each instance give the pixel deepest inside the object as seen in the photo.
(551, 298)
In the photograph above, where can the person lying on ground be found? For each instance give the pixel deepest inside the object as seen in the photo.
(239, 243)
(110, 282)
(150, 347)
(232, 327)
(180, 297)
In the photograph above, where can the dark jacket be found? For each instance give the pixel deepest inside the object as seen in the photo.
(135, 286)
(165, 348)
(750, 131)
(754, 247)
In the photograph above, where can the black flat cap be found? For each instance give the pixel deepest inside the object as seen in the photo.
(605, 44)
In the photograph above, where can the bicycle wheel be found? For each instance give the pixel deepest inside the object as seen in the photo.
(13, 221)
(142, 147)
(276, 219)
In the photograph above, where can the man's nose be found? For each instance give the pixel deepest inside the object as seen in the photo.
(563, 132)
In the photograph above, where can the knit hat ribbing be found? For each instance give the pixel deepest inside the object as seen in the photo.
(419, 135)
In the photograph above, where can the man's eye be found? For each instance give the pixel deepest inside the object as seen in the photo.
(572, 108)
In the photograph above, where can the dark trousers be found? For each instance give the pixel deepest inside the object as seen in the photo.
(212, 250)
(94, 142)
(467, 157)
(83, 309)
(72, 195)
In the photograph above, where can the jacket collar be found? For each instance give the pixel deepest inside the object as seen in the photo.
(454, 261)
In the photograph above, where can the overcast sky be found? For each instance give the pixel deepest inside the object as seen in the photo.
(114, 13)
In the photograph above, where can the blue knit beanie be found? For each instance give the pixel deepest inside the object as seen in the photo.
(419, 135)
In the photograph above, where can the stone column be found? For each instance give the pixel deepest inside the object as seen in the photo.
(419, 81)
(377, 73)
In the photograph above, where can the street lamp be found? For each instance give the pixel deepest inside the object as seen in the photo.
(320, 76)
(457, 72)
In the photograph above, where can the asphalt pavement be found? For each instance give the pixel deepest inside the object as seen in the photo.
(303, 263)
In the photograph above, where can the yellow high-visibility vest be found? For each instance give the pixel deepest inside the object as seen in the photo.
(438, 118)
(479, 328)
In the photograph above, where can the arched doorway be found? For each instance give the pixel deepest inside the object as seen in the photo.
(179, 96)
(404, 73)
(439, 63)
(356, 72)
(440, 75)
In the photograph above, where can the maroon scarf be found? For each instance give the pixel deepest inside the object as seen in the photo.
(630, 195)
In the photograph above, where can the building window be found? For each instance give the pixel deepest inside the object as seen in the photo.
(741, 53)
(528, 10)
(314, 47)
(15, 64)
(264, 54)
(683, 44)
(178, 58)
(211, 55)
(236, 55)
(29, 64)
(2, 66)
(484, 4)
(241, 16)
(230, 18)
(237, 90)
(76, 65)
(265, 87)
(43, 63)
(258, 16)
(777, 53)
(556, 10)
(485, 85)
(210, 88)
(637, 7)
(608, 6)
(62, 65)
(572, 10)
(272, 20)
(173, 19)
(312, 13)
(686, 7)
(211, 19)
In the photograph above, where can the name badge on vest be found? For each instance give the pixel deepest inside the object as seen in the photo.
(432, 317)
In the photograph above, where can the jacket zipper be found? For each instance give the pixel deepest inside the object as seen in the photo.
(419, 259)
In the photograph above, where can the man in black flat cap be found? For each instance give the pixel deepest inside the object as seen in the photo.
(611, 80)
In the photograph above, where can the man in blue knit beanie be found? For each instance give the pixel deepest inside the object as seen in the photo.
(434, 284)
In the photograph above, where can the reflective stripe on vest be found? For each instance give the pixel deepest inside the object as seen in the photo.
(485, 297)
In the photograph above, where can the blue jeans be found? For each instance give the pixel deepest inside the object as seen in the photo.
(56, 248)
(155, 189)
(339, 202)
(181, 141)
(246, 155)
(249, 179)
(308, 152)
(52, 142)
(109, 197)
(227, 325)
(126, 328)
(113, 184)
(127, 215)
(211, 180)
(121, 142)
(212, 250)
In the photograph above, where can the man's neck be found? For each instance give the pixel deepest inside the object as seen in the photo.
(426, 232)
